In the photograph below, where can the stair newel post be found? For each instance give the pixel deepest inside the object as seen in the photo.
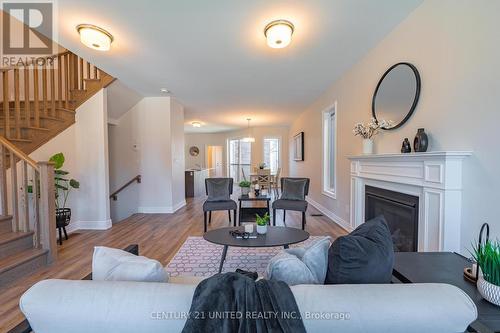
(6, 106)
(48, 209)
(14, 192)
(17, 104)
(24, 201)
(3, 182)
(27, 103)
(36, 95)
(36, 207)
(52, 87)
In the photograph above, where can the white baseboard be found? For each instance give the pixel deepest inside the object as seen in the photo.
(331, 215)
(89, 225)
(162, 209)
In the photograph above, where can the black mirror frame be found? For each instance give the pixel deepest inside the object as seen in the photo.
(415, 100)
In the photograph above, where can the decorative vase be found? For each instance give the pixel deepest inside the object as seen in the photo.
(261, 229)
(489, 291)
(406, 147)
(245, 190)
(367, 146)
(421, 141)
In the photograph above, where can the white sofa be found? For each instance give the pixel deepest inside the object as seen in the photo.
(61, 306)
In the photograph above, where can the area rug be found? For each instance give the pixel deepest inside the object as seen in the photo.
(197, 257)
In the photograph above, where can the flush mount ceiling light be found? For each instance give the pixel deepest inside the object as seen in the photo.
(250, 137)
(279, 33)
(94, 37)
(164, 90)
(196, 124)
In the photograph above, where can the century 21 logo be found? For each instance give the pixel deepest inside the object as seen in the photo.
(27, 28)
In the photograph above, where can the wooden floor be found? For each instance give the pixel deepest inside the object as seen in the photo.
(159, 236)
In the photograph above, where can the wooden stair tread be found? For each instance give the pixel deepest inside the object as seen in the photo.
(35, 128)
(19, 140)
(17, 259)
(66, 110)
(5, 217)
(12, 236)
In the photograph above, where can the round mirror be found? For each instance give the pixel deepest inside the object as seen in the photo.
(194, 151)
(396, 95)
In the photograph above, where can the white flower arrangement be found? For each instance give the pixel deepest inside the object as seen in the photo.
(368, 131)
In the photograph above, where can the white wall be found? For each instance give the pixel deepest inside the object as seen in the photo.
(454, 45)
(85, 147)
(148, 140)
(220, 139)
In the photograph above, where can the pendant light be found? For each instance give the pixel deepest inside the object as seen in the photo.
(249, 138)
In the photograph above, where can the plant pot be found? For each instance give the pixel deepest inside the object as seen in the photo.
(63, 217)
(489, 291)
(245, 190)
(367, 146)
(261, 229)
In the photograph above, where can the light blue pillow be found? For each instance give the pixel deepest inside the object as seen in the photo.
(303, 265)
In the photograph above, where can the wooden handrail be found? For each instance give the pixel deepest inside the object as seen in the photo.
(18, 152)
(115, 193)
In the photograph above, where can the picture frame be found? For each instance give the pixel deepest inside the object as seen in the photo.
(298, 147)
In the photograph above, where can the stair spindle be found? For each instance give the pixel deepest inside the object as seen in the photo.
(59, 80)
(24, 203)
(52, 89)
(44, 89)
(14, 193)
(80, 62)
(27, 103)
(3, 182)
(36, 104)
(67, 78)
(6, 106)
(36, 207)
(95, 72)
(88, 69)
(17, 104)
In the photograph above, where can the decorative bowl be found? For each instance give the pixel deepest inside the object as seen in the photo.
(489, 291)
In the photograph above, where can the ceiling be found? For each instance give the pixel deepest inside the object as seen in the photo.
(213, 58)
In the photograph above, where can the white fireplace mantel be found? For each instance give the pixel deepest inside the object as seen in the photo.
(434, 177)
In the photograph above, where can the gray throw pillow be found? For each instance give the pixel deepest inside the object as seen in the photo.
(366, 255)
(306, 265)
(218, 189)
(294, 189)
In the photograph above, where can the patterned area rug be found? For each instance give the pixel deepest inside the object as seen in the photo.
(197, 257)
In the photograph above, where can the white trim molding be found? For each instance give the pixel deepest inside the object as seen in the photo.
(331, 215)
(89, 225)
(434, 177)
(162, 209)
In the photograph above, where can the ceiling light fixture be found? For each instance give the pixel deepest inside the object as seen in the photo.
(279, 33)
(164, 90)
(94, 37)
(196, 124)
(250, 137)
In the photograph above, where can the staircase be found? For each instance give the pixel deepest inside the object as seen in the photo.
(39, 100)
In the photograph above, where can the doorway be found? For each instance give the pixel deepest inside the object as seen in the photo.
(214, 161)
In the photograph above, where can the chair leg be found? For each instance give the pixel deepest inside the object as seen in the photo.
(284, 214)
(234, 217)
(60, 235)
(210, 217)
(303, 220)
(229, 214)
(205, 220)
(274, 217)
(65, 233)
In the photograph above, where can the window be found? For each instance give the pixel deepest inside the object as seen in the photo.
(329, 150)
(239, 159)
(272, 154)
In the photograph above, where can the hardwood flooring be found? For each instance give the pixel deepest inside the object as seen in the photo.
(159, 236)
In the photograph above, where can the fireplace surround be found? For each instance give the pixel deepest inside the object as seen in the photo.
(435, 178)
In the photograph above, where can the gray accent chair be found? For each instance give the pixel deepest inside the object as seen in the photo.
(299, 205)
(214, 203)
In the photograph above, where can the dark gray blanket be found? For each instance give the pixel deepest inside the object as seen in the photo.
(232, 302)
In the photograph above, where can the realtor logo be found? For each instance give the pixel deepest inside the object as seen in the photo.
(27, 28)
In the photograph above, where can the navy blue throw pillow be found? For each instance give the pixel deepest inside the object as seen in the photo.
(366, 255)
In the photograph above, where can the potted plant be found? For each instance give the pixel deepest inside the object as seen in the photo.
(262, 165)
(245, 187)
(63, 187)
(487, 257)
(368, 131)
(262, 223)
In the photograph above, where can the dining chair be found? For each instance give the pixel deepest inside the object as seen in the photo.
(293, 197)
(275, 182)
(264, 179)
(219, 192)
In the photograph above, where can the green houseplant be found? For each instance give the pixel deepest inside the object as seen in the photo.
(487, 257)
(245, 187)
(262, 223)
(63, 185)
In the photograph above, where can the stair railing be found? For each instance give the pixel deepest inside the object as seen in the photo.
(38, 89)
(114, 195)
(31, 194)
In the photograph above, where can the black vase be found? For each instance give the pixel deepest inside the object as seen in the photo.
(421, 141)
(406, 147)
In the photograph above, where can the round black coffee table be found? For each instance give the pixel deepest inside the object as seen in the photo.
(275, 236)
